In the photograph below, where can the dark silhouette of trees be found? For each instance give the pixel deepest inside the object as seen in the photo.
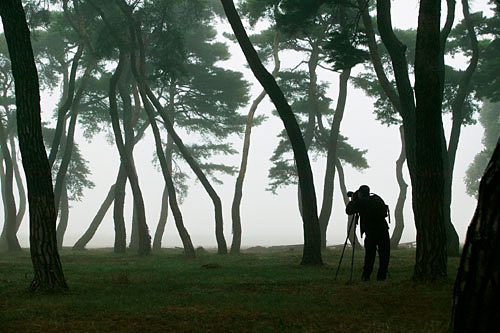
(43, 244)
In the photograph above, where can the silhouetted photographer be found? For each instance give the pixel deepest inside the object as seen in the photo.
(372, 212)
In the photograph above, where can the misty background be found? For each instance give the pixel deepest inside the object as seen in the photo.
(267, 219)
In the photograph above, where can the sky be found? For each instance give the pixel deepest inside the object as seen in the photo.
(268, 219)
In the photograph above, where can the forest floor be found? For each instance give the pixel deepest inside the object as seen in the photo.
(260, 290)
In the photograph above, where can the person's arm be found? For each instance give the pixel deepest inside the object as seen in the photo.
(351, 208)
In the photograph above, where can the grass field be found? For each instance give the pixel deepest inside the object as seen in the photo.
(252, 292)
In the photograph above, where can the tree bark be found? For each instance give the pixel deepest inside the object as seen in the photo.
(399, 223)
(475, 297)
(48, 273)
(238, 188)
(312, 238)
(428, 183)
(162, 220)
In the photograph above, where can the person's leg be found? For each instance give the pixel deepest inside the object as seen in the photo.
(370, 251)
(384, 252)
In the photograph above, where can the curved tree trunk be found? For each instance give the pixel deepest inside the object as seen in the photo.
(20, 186)
(238, 188)
(458, 118)
(63, 218)
(144, 238)
(398, 210)
(312, 239)
(10, 223)
(353, 239)
(91, 230)
(48, 273)
(162, 220)
(165, 167)
(475, 297)
(326, 207)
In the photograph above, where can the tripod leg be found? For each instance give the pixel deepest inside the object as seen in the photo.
(353, 248)
(345, 243)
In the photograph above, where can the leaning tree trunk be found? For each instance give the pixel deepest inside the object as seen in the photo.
(162, 220)
(312, 237)
(399, 222)
(428, 185)
(10, 229)
(238, 188)
(91, 230)
(43, 245)
(475, 297)
(326, 207)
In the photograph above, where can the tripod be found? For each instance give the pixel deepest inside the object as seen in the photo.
(353, 221)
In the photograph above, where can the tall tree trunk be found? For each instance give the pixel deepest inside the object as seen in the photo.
(90, 232)
(145, 239)
(428, 185)
(8, 191)
(165, 166)
(398, 210)
(353, 239)
(475, 297)
(312, 238)
(120, 245)
(134, 231)
(458, 118)
(238, 188)
(63, 218)
(326, 207)
(43, 245)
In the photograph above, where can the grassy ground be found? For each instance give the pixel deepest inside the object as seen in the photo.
(257, 292)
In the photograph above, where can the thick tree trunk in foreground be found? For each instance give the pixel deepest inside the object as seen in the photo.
(43, 245)
(428, 183)
(399, 222)
(475, 298)
(312, 237)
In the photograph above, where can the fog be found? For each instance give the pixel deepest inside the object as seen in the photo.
(267, 219)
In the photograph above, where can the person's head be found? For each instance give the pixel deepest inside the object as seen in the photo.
(364, 190)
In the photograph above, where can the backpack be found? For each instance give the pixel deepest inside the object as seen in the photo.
(380, 208)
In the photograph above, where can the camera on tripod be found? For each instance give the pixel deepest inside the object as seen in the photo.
(353, 195)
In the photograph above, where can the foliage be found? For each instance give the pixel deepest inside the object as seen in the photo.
(260, 290)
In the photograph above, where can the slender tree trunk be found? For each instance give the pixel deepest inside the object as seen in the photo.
(162, 220)
(458, 118)
(145, 239)
(120, 245)
(326, 207)
(475, 297)
(353, 239)
(165, 167)
(312, 238)
(63, 218)
(87, 236)
(134, 231)
(61, 114)
(8, 191)
(428, 185)
(238, 189)
(43, 245)
(398, 210)
(20, 186)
